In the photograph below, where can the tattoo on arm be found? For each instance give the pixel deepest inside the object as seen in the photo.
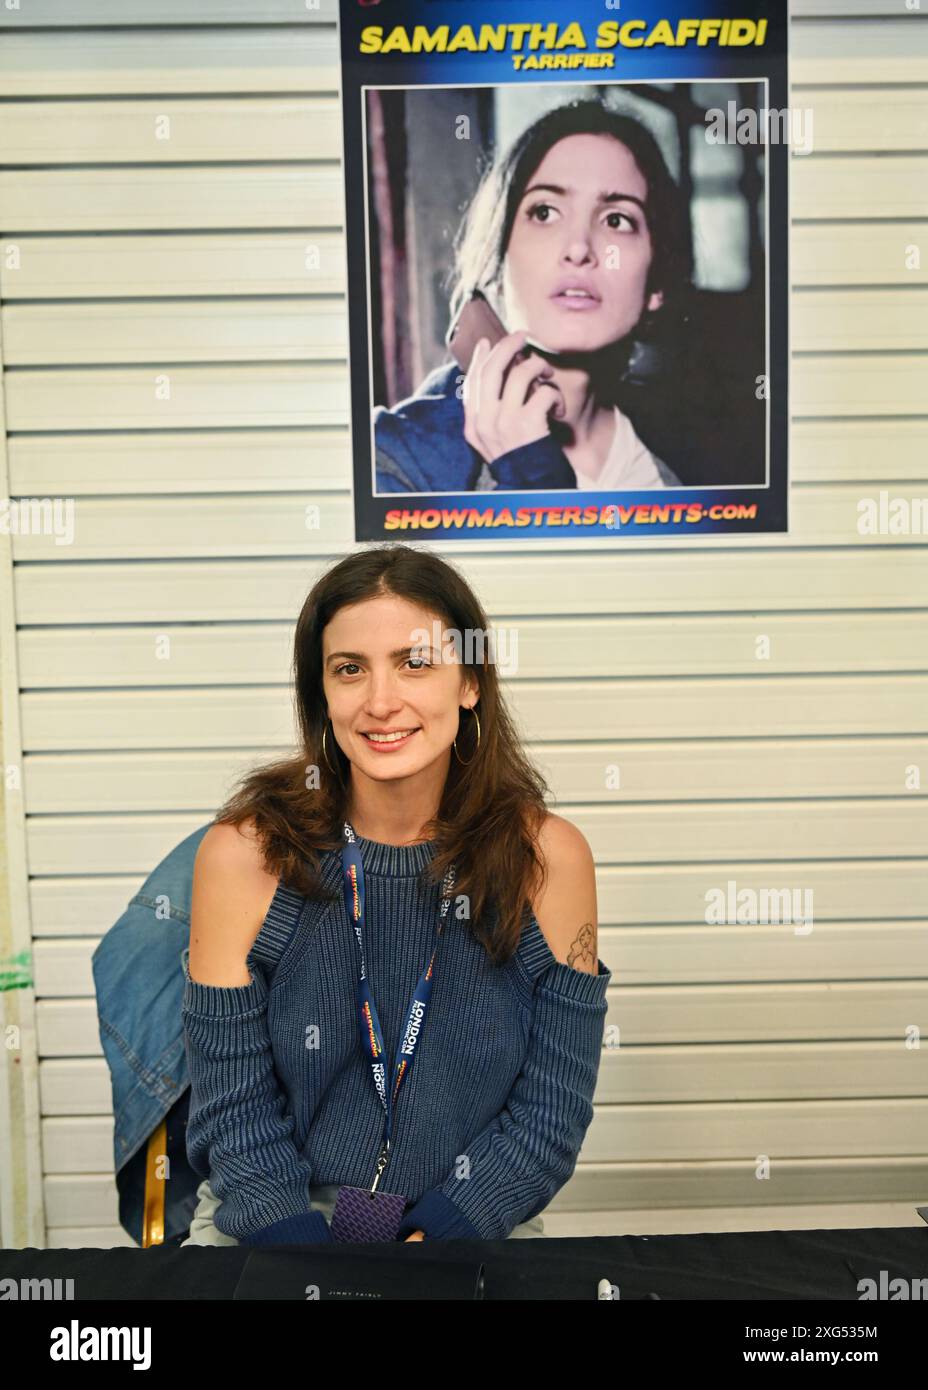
(582, 953)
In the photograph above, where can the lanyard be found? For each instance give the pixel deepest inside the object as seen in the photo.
(368, 1023)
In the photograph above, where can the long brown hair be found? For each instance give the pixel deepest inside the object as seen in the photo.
(491, 809)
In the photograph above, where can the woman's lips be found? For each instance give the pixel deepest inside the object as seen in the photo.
(390, 745)
(575, 303)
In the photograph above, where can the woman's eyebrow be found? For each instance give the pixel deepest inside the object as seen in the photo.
(603, 197)
(420, 649)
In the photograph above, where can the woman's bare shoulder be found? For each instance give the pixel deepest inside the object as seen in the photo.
(232, 891)
(560, 838)
(565, 904)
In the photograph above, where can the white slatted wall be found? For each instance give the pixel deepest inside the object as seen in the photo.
(185, 256)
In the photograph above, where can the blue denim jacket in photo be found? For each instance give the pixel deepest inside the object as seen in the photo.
(139, 978)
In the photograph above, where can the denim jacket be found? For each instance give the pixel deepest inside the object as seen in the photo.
(139, 977)
(420, 447)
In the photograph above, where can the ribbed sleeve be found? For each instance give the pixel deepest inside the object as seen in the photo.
(239, 1134)
(540, 464)
(529, 1150)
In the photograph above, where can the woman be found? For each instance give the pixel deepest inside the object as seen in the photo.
(578, 238)
(407, 745)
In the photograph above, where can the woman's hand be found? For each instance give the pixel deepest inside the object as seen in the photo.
(416, 1235)
(507, 401)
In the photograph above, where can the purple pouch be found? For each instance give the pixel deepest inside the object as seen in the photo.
(362, 1215)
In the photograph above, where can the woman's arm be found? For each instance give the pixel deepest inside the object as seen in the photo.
(239, 1133)
(426, 443)
(529, 1150)
(541, 463)
(420, 451)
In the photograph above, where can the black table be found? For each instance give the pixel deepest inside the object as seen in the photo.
(754, 1265)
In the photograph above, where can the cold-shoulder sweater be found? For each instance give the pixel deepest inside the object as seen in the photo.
(488, 1124)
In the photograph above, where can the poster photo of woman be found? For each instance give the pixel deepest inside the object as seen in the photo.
(567, 289)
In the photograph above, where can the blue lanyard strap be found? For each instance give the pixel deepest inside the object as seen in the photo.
(368, 1022)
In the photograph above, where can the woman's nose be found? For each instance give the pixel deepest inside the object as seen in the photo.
(579, 248)
(381, 694)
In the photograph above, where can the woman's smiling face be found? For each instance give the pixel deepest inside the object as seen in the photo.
(381, 677)
(576, 267)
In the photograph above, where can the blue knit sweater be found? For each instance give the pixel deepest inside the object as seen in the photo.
(489, 1122)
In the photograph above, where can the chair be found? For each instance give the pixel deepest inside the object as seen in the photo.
(153, 1206)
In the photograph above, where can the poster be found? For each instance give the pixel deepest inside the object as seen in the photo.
(611, 179)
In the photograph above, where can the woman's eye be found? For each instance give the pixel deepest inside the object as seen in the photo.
(534, 213)
(615, 219)
(423, 664)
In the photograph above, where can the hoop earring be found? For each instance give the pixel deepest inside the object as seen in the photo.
(476, 750)
(325, 754)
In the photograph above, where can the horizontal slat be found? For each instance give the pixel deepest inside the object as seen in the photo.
(222, 331)
(832, 187)
(645, 897)
(162, 62)
(176, 129)
(282, 263)
(829, 1216)
(635, 955)
(788, 706)
(278, 524)
(79, 1200)
(260, 393)
(641, 833)
(304, 195)
(64, 200)
(720, 955)
(876, 119)
(796, 1129)
(100, 1237)
(673, 581)
(841, 9)
(120, 398)
(859, 384)
(710, 770)
(269, 263)
(873, 320)
(219, 460)
(883, 44)
(54, 13)
(169, 130)
(309, 328)
(867, 254)
(529, 649)
(214, 461)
